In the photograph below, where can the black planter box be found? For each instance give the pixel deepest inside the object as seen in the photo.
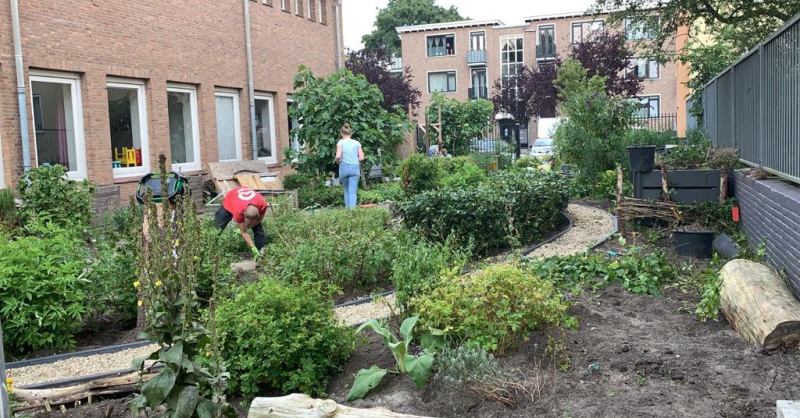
(694, 244)
(686, 186)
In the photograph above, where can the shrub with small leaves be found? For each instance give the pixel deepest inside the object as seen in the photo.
(47, 192)
(419, 173)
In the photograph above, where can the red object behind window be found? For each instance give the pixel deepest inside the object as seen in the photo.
(138, 156)
(735, 214)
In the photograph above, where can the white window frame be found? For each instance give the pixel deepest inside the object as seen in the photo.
(270, 98)
(283, 4)
(74, 81)
(444, 35)
(237, 121)
(555, 38)
(644, 34)
(648, 97)
(572, 25)
(144, 139)
(503, 40)
(428, 80)
(481, 40)
(646, 62)
(297, 7)
(308, 10)
(486, 74)
(319, 11)
(192, 91)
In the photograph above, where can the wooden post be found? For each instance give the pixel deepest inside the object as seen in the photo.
(620, 219)
(723, 185)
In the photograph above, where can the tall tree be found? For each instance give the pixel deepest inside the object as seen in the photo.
(405, 13)
(755, 15)
(606, 54)
(396, 87)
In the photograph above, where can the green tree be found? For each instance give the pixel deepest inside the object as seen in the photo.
(324, 104)
(461, 121)
(405, 13)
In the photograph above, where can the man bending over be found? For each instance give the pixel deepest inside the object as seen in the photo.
(247, 208)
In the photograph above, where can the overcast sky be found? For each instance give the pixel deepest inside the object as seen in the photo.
(359, 15)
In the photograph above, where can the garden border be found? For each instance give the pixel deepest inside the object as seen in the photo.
(85, 353)
(611, 234)
(551, 239)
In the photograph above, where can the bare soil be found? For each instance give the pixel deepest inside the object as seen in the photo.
(654, 359)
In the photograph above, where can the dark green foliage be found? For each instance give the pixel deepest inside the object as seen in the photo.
(340, 249)
(8, 209)
(403, 13)
(382, 192)
(419, 173)
(462, 121)
(320, 196)
(282, 337)
(112, 275)
(510, 208)
(42, 285)
(460, 172)
(46, 192)
(296, 181)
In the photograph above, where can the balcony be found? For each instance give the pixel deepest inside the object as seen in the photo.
(476, 92)
(476, 57)
(546, 51)
(397, 65)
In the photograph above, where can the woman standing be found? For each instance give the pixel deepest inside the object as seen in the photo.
(349, 156)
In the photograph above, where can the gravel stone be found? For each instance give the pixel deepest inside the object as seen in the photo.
(589, 226)
(356, 314)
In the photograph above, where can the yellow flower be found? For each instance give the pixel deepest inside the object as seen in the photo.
(196, 257)
(177, 242)
(139, 303)
(9, 381)
(158, 283)
(136, 284)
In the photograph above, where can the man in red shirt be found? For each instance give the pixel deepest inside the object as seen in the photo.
(247, 208)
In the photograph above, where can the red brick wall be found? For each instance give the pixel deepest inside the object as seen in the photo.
(201, 43)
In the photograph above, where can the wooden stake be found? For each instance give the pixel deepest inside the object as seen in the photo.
(723, 185)
(620, 219)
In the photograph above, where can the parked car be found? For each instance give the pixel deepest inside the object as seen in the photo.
(491, 146)
(542, 148)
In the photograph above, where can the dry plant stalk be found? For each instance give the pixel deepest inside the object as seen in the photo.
(512, 389)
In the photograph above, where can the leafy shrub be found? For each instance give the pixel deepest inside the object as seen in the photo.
(8, 208)
(638, 137)
(419, 173)
(283, 337)
(489, 309)
(296, 181)
(462, 121)
(47, 192)
(527, 162)
(42, 283)
(460, 172)
(512, 207)
(417, 267)
(320, 196)
(382, 192)
(339, 248)
(112, 275)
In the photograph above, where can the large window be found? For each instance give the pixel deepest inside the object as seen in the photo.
(477, 41)
(184, 136)
(443, 81)
(58, 122)
(511, 55)
(641, 28)
(650, 106)
(546, 42)
(582, 31)
(127, 119)
(265, 128)
(229, 127)
(478, 90)
(441, 45)
(643, 67)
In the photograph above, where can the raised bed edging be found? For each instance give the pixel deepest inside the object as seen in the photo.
(85, 353)
(551, 239)
(602, 241)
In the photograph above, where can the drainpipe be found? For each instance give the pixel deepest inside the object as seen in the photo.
(23, 108)
(250, 86)
(337, 7)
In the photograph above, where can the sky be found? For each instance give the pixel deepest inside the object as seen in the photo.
(359, 15)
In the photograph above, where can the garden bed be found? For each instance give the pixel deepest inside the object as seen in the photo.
(653, 358)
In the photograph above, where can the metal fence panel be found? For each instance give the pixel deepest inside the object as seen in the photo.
(754, 105)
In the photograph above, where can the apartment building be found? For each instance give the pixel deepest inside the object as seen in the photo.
(110, 85)
(463, 60)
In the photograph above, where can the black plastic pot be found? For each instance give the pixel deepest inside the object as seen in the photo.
(694, 244)
(642, 157)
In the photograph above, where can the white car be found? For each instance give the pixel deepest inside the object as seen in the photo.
(542, 149)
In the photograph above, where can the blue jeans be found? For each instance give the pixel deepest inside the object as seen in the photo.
(348, 176)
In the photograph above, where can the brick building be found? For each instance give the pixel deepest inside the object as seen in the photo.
(463, 59)
(112, 84)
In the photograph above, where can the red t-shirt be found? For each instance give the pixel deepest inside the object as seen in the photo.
(239, 198)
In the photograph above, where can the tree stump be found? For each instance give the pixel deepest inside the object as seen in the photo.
(759, 305)
(304, 406)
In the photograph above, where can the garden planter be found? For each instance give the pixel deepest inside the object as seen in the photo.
(686, 186)
(642, 158)
(694, 244)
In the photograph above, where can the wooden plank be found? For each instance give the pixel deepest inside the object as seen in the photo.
(303, 406)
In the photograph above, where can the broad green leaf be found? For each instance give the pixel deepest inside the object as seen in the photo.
(399, 352)
(366, 379)
(157, 389)
(138, 362)
(431, 342)
(380, 329)
(407, 330)
(207, 409)
(184, 402)
(174, 355)
(419, 368)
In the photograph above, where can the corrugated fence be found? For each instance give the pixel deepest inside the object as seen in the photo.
(754, 105)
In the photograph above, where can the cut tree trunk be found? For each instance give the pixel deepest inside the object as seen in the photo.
(34, 398)
(303, 406)
(759, 305)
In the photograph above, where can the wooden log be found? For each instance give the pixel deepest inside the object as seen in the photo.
(26, 395)
(304, 406)
(759, 305)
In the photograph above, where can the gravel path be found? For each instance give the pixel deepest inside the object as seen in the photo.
(589, 226)
(78, 366)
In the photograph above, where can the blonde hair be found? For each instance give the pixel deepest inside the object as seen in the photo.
(346, 130)
(251, 213)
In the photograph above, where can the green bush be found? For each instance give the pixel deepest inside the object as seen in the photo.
(320, 196)
(47, 192)
(382, 192)
(527, 162)
(8, 208)
(418, 265)
(296, 181)
(343, 249)
(510, 208)
(41, 283)
(460, 172)
(419, 173)
(112, 275)
(281, 337)
(493, 308)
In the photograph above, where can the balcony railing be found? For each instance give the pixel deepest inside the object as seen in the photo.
(476, 57)
(397, 65)
(546, 50)
(478, 92)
